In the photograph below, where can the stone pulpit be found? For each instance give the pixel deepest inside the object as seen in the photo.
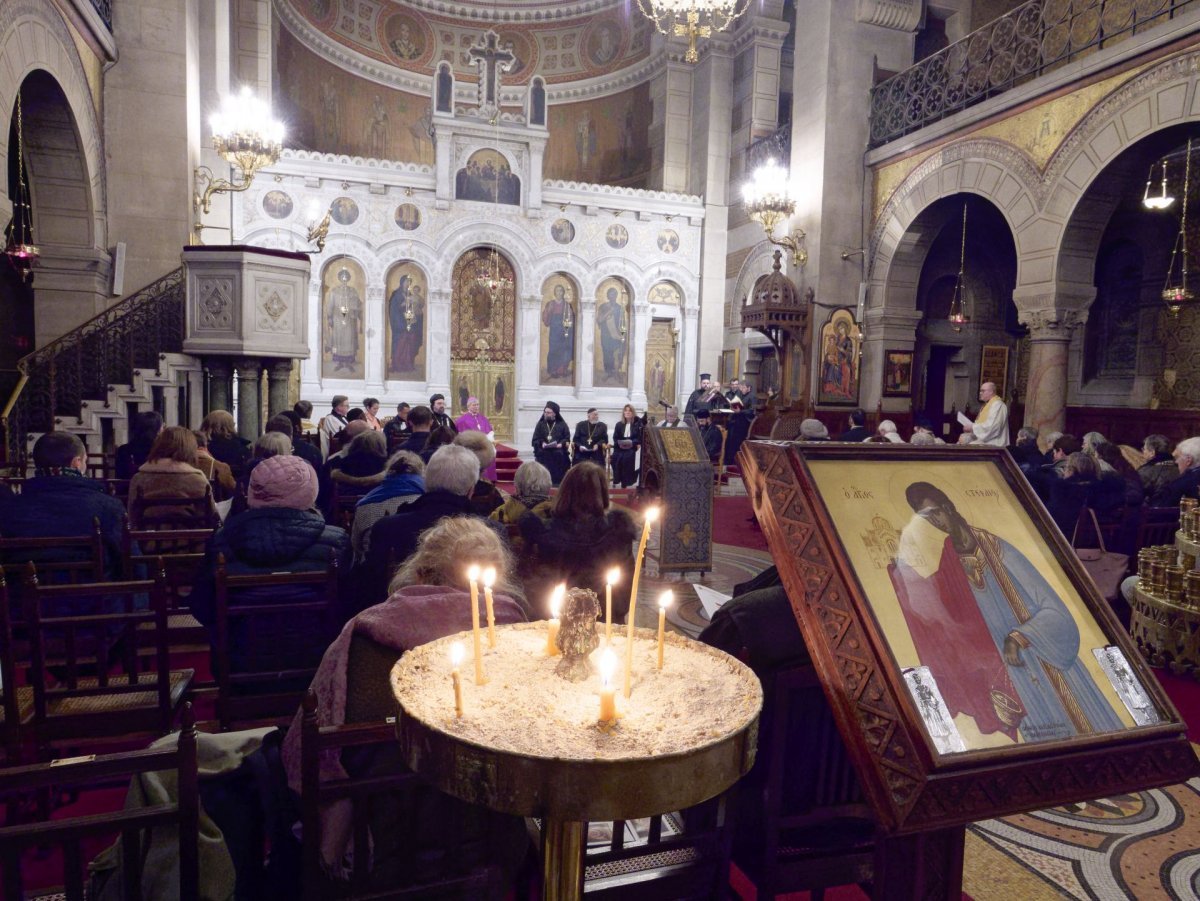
(247, 309)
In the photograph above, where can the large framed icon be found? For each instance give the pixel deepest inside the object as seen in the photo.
(971, 665)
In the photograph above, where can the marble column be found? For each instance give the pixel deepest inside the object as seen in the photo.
(279, 374)
(249, 398)
(220, 388)
(1046, 391)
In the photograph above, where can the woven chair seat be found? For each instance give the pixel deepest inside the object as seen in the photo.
(24, 704)
(109, 703)
(176, 622)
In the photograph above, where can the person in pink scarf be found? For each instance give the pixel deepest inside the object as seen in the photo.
(429, 599)
(474, 421)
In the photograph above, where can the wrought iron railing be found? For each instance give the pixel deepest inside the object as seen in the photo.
(777, 145)
(1015, 48)
(58, 379)
(104, 9)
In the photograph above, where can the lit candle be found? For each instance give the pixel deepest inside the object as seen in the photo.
(457, 652)
(608, 699)
(473, 576)
(650, 516)
(612, 578)
(489, 579)
(556, 599)
(664, 601)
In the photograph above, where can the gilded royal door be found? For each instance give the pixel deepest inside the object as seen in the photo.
(483, 338)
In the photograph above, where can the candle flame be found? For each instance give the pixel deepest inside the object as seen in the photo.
(608, 666)
(613, 576)
(665, 599)
(457, 653)
(651, 514)
(556, 599)
(489, 577)
(473, 572)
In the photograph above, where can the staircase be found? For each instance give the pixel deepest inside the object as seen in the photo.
(90, 380)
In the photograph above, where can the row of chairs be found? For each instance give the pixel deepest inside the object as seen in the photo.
(89, 658)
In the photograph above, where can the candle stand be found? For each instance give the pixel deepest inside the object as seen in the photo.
(567, 793)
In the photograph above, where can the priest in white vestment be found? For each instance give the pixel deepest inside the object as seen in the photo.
(991, 425)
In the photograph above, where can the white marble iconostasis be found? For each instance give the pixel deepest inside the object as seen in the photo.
(525, 235)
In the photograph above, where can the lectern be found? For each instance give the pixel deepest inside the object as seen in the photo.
(971, 666)
(675, 465)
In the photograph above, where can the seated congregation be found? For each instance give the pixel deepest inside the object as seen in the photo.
(304, 572)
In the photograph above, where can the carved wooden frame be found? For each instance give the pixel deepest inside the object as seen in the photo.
(909, 786)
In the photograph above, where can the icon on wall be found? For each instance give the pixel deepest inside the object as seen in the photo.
(562, 231)
(277, 204)
(408, 217)
(616, 236)
(344, 211)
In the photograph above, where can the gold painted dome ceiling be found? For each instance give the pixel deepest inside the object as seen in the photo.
(564, 42)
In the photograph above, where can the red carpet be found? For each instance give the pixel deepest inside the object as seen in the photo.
(733, 523)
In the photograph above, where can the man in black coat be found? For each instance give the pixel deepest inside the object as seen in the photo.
(1187, 458)
(709, 434)
(450, 479)
(420, 421)
(301, 446)
(590, 439)
(61, 501)
(437, 404)
(694, 397)
(858, 428)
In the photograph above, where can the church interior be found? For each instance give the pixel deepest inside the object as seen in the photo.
(834, 338)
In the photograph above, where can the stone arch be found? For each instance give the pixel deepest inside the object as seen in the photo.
(33, 36)
(500, 234)
(993, 170)
(1077, 202)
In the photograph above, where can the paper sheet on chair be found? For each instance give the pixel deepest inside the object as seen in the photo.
(710, 600)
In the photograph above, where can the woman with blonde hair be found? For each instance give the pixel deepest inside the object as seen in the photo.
(170, 473)
(627, 438)
(218, 473)
(224, 443)
(430, 599)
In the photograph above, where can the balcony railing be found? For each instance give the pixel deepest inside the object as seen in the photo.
(1033, 39)
(777, 146)
(104, 10)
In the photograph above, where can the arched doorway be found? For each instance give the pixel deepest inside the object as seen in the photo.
(72, 282)
(483, 337)
(950, 364)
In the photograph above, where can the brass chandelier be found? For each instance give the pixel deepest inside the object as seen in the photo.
(1176, 293)
(769, 200)
(692, 19)
(958, 304)
(249, 138)
(19, 248)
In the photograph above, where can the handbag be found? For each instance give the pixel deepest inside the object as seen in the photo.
(1107, 568)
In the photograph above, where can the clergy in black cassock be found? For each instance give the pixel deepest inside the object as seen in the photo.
(550, 439)
(694, 397)
(709, 434)
(590, 439)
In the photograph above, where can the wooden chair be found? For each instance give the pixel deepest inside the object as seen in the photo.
(265, 652)
(16, 701)
(162, 512)
(1157, 526)
(70, 833)
(118, 488)
(719, 466)
(342, 504)
(77, 635)
(179, 554)
(817, 830)
(682, 856)
(361, 793)
(75, 558)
